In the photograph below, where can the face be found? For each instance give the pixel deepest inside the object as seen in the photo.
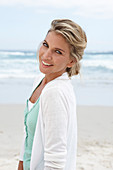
(54, 56)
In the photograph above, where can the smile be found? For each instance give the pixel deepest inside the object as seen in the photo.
(46, 64)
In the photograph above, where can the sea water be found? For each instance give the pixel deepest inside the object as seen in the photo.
(94, 85)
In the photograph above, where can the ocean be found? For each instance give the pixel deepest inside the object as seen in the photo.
(94, 86)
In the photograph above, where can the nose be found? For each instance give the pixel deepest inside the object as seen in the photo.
(47, 55)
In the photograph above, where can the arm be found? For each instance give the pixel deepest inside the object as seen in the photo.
(56, 123)
(20, 165)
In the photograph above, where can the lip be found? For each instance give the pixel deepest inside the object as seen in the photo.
(46, 66)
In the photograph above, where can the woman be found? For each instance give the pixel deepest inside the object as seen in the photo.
(50, 114)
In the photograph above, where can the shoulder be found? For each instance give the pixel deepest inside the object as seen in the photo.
(56, 85)
(57, 88)
(54, 98)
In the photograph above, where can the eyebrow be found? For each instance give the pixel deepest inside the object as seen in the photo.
(56, 48)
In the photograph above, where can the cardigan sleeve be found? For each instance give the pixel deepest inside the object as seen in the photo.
(54, 110)
(22, 147)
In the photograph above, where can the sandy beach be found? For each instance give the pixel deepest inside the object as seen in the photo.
(95, 136)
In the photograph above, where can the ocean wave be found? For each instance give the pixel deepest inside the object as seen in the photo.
(2, 76)
(16, 53)
(98, 57)
(96, 67)
(98, 63)
(99, 52)
(16, 61)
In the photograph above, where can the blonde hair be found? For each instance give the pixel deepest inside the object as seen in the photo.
(76, 38)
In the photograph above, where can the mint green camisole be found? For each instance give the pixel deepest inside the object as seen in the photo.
(30, 120)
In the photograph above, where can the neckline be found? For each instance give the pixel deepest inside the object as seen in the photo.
(33, 105)
(34, 90)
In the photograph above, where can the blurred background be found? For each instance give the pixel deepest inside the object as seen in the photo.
(23, 25)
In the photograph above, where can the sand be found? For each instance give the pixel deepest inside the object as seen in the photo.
(95, 136)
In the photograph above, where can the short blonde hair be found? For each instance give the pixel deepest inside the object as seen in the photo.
(76, 38)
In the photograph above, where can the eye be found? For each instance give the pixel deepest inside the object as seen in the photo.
(45, 44)
(57, 51)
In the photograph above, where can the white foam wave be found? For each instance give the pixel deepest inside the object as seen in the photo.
(18, 73)
(2, 76)
(16, 53)
(98, 63)
(15, 61)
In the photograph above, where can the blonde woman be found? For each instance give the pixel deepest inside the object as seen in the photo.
(50, 141)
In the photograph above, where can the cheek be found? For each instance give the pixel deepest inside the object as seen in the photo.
(42, 49)
(41, 53)
(57, 60)
(61, 61)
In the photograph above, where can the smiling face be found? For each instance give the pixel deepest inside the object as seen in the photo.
(54, 56)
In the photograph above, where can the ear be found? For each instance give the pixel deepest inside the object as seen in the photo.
(71, 63)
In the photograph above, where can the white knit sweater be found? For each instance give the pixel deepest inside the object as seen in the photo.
(55, 140)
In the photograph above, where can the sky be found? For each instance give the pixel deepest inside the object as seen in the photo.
(24, 23)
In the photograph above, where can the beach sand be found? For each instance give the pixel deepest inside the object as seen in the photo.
(95, 136)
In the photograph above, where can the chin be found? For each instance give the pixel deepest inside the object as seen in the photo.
(42, 70)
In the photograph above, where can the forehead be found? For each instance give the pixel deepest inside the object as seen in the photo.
(57, 40)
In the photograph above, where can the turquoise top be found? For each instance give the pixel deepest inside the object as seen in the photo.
(30, 120)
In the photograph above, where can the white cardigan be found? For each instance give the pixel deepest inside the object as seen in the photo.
(55, 140)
